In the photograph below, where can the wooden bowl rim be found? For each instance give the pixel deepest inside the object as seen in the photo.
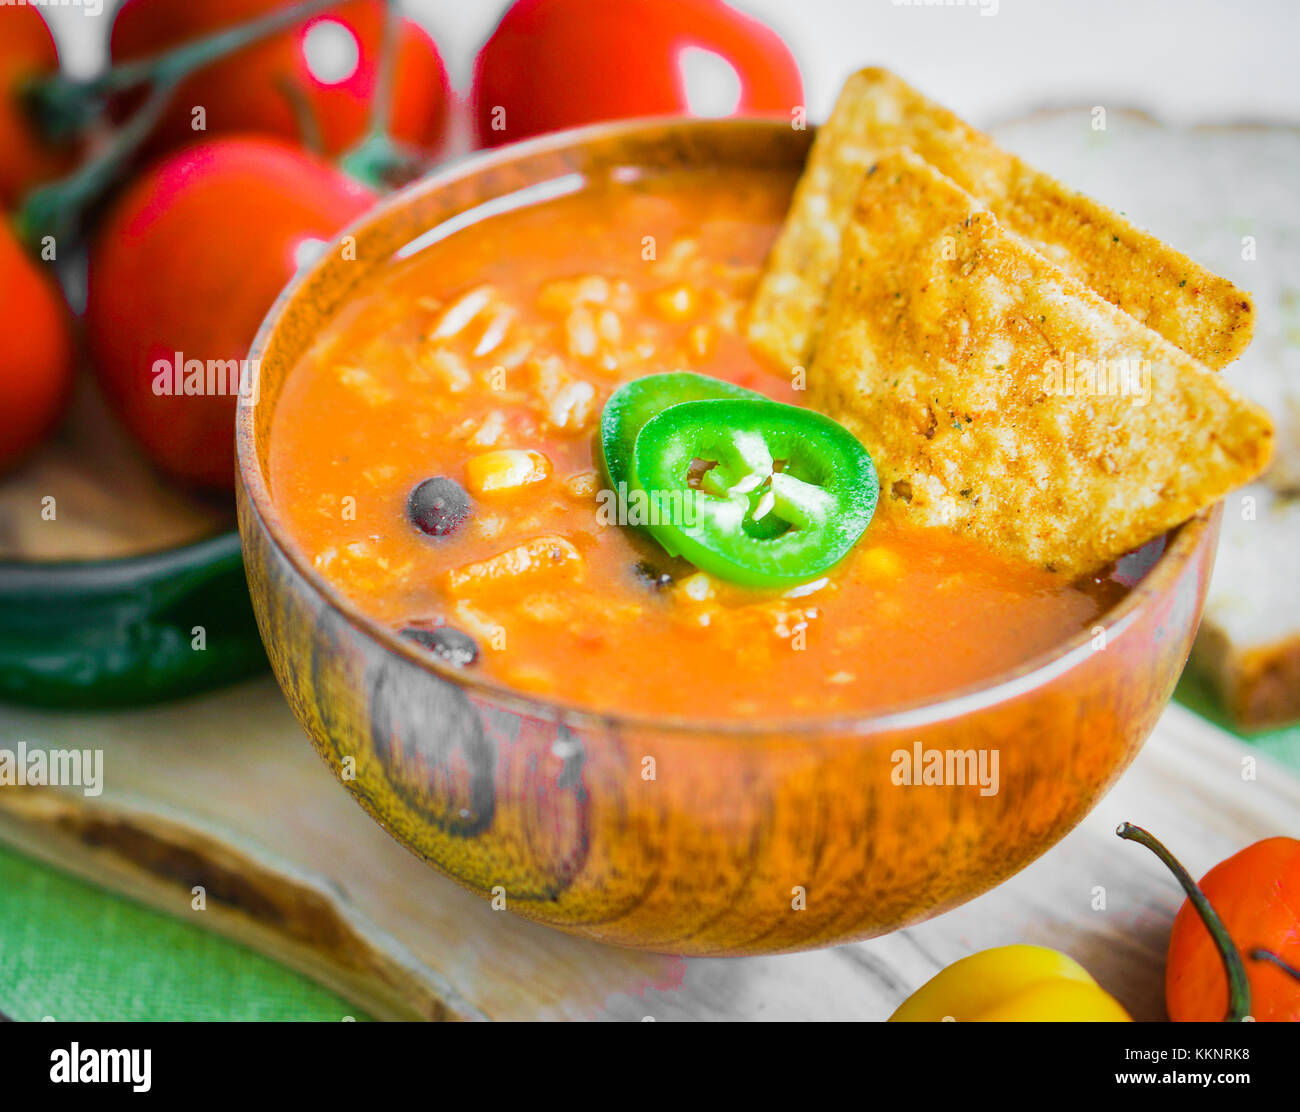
(1181, 543)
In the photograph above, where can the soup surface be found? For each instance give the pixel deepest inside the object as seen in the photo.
(507, 337)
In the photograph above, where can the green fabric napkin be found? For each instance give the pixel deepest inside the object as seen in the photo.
(71, 951)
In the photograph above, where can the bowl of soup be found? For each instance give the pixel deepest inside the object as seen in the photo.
(538, 700)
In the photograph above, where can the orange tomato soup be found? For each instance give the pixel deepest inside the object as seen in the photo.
(507, 337)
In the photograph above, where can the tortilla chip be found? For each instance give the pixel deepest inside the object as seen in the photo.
(1207, 316)
(960, 357)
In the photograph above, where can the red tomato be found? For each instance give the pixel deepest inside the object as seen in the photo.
(184, 267)
(26, 51)
(256, 88)
(36, 356)
(552, 64)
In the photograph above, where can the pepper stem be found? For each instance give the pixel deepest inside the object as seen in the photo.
(1260, 954)
(1233, 966)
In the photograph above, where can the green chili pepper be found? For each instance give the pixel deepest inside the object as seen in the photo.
(635, 402)
(753, 491)
(118, 633)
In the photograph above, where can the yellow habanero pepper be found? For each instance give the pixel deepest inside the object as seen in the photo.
(1012, 983)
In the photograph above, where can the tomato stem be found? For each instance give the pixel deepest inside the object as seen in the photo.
(58, 210)
(63, 106)
(382, 105)
(1233, 966)
(379, 160)
(1260, 954)
(304, 112)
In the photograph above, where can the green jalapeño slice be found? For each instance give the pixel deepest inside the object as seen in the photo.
(759, 493)
(635, 402)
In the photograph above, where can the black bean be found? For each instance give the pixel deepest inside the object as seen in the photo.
(438, 506)
(651, 576)
(446, 642)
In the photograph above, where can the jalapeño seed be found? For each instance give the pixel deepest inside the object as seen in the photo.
(438, 506)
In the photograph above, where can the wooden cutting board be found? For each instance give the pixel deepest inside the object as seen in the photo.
(226, 793)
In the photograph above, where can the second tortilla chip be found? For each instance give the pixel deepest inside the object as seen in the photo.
(1205, 315)
(1001, 398)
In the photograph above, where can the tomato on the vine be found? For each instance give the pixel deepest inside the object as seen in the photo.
(36, 356)
(27, 52)
(320, 75)
(183, 269)
(552, 64)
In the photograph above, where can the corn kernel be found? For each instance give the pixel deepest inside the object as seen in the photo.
(505, 470)
(675, 303)
(881, 561)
